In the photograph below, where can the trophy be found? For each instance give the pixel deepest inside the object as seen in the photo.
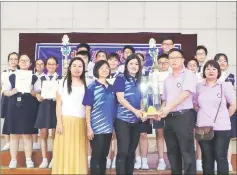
(66, 50)
(150, 85)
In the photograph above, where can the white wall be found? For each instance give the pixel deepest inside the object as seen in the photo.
(214, 22)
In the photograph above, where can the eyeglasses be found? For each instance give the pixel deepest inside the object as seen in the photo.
(24, 61)
(12, 59)
(163, 63)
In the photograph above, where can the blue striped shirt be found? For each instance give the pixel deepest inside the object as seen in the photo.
(103, 103)
(132, 94)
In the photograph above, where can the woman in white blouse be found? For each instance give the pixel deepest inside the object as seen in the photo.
(70, 145)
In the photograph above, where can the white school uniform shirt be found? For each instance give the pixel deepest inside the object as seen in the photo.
(5, 78)
(72, 103)
(39, 75)
(36, 86)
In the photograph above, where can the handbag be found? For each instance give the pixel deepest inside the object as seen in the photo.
(206, 132)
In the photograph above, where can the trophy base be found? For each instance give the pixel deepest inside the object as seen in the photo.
(150, 114)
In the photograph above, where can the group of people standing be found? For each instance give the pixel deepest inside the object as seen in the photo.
(98, 108)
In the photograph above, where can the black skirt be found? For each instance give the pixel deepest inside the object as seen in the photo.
(4, 102)
(46, 117)
(22, 114)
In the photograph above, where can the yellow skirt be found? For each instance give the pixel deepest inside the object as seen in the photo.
(70, 148)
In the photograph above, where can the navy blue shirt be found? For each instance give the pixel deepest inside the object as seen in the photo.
(132, 94)
(103, 103)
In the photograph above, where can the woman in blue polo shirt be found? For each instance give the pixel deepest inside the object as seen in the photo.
(100, 105)
(127, 123)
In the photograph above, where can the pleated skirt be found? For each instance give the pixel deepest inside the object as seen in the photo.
(70, 148)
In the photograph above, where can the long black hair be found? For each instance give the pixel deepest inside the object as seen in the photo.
(139, 73)
(69, 74)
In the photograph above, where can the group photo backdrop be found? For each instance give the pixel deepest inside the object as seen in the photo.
(49, 44)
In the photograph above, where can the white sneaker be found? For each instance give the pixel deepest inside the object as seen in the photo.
(114, 163)
(230, 166)
(145, 164)
(51, 164)
(137, 165)
(29, 164)
(108, 163)
(215, 166)
(6, 147)
(44, 163)
(36, 146)
(13, 164)
(161, 165)
(199, 165)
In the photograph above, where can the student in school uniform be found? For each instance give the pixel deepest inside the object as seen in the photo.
(163, 64)
(12, 63)
(39, 72)
(177, 109)
(22, 113)
(85, 55)
(127, 123)
(100, 105)
(145, 128)
(46, 117)
(193, 65)
(167, 43)
(70, 144)
(211, 102)
(226, 76)
(127, 50)
(201, 56)
(100, 55)
(113, 60)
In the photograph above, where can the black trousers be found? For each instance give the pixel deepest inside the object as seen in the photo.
(128, 135)
(179, 137)
(100, 148)
(216, 149)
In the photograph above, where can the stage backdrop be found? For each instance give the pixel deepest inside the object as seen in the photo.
(42, 45)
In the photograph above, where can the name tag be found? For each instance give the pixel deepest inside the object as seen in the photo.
(18, 98)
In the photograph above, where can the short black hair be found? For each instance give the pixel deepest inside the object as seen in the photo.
(217, 57)
(193, 59)
(84, 53)
(113, 55)
(176, 50)
(97, 66)
(214, 64)
(163, 55)
(101, 51)
(129, 47)
(201, 47)
(167, 38)
(84, 45)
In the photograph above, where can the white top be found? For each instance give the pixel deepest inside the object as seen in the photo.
(72, 104)
(5, 79)
(121, 68)
(36, 86)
